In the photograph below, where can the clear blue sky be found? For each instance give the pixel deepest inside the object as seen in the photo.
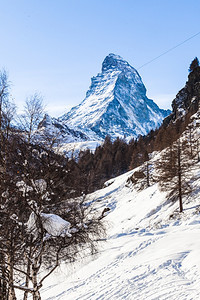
(56, 46)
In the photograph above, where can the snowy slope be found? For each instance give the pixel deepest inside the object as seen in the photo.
(147, 255)
(151, 251)
(115, 104)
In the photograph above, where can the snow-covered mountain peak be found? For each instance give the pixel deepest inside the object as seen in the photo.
(114, 62)
(115, 104)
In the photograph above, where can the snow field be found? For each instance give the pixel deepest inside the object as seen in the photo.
(149, 254)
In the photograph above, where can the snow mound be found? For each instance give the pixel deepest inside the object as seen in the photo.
(53, 224)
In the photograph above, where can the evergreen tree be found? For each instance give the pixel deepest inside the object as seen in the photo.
(143, 177)
(174, 171)
(194, 64)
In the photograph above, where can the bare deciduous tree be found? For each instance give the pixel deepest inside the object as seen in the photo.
(34, 195)
(8, 115)
(4, 88)
(33, 113)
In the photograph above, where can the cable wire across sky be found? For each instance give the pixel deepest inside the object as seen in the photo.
(169, 50)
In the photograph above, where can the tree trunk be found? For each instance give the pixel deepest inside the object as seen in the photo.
(28, 271)
(11, 290)
(11, 294)
(3, 282)
(36, 293)
(198, 151)
(148, 175)
(180, 179)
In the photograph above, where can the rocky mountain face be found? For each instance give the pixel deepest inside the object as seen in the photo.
(188, 98)
(115, 104)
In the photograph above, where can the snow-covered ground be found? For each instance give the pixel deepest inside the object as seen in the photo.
(151, 251)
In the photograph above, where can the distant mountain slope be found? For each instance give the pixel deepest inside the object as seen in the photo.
(116, 104)
(51, 127)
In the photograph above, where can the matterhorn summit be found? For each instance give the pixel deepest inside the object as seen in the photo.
(115, 104)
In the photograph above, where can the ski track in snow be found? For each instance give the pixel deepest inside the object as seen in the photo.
(123, 278)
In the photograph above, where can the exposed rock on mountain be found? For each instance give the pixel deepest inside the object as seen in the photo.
(187, 98)
(116, 104)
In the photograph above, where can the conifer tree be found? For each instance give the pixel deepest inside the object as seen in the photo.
(174, 171)
(143, 177)
(194, 64)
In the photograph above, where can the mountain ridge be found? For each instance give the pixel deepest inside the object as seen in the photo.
(115, 104)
